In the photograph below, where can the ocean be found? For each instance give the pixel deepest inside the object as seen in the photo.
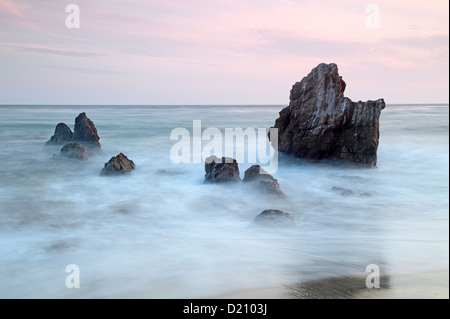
(160, 232)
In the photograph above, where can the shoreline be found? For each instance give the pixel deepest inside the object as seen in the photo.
(423, 285)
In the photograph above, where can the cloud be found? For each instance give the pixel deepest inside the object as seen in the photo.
(393, 52)
(284, 43)
(63, 52)
(10, 7)
(36, 48)
(80, 69)
(411, 52)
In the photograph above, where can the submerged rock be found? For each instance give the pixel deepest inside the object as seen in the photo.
(85, 132)
(264, 181)
(58, 246)
(321, 123)
(348, 192)
(274, 217)
(169, 172)
(119, 164)
(221, 170)
(74, 150)
(343, 191)
(63, 134)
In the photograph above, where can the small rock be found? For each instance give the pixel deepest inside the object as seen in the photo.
(63, 134)
(221, 170)
(343, 191)
(74, 150)
(85, 132)
(274, 217)
(119, 164)
(263, 180)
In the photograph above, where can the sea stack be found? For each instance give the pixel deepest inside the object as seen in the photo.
(63, 134)
(85, 132)
(320, 123)
(118, 165)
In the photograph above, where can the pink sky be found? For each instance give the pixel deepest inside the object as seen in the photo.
(219, 51)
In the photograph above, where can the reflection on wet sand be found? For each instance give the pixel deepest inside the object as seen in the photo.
(346, 287)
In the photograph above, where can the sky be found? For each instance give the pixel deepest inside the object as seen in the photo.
(166, 52)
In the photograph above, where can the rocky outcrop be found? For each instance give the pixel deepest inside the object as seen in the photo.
(85, 132)
(321, 123)
(119, 164)
(62, 135)
(274, 217)
(74, 150)
(221, 170)
(262, 180)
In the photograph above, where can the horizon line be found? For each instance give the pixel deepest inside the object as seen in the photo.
(274, 104)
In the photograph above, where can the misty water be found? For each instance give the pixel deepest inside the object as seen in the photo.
(160, 232)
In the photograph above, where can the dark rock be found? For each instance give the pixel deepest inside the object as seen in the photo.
(221, 170)
(58, 246)
(264, 181)
(85, 132)
(348, 192)
(62, 135)
(119, 164)
(74, 150)
(274, 217)
(343, 191)
(321, 123)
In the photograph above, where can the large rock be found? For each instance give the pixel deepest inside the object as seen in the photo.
(321, 123)
(85, 132)
(74, 150)
(263, 180)
(221, 170)
(62, 135)
(119, 164)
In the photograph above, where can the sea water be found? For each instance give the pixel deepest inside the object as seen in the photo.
(160, 232)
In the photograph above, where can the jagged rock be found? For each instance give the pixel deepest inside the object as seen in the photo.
(321, 123)
(264, 181)
(74, 150)
(274, 217)
(221, 170)
(85, 132)
(62, 135)
(119, 164)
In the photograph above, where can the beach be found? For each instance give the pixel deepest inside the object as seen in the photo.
(433, 285)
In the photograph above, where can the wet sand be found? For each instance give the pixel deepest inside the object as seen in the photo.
(431, 285)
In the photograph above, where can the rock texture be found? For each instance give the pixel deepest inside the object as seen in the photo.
(274, 217)
(264, 181)
(85, 132)
(119, 164)
(63, 134)
(74, 150)
(321, 123)
(221, 170)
